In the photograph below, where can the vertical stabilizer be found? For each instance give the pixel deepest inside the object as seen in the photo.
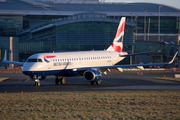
(117, 44)
(5, 56)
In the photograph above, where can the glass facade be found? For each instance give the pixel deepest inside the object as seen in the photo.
(149, 46)
(37, 46)
(37, 42)
(39, 19)
(9, 25)
(87, 35)
(168, 25)
(0, 53)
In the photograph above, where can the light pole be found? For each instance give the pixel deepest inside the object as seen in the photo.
(159, 24)
(131, 59)
(145, 25)
(131, 17)
(136, 25)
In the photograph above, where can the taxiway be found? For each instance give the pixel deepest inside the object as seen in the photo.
(115, 81)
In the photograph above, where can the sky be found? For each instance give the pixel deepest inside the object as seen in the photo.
(173, 3)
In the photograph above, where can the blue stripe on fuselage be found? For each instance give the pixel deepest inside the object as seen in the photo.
(66, 73)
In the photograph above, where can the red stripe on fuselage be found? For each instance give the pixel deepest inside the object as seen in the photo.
(49, 57)
(116, 48)
(121, 29)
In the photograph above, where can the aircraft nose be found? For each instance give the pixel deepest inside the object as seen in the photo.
(28, 69)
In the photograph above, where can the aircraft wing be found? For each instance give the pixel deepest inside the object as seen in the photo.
(11, 62)
(125, 66)
(147, 53)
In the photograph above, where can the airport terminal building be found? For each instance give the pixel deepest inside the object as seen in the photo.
(33, 26)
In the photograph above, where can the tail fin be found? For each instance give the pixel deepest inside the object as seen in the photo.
(117, 44)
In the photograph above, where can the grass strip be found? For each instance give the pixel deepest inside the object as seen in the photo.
(91, 105)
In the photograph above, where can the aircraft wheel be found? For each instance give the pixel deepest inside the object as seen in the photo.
(62, 80)
(98, 82)
(57, 81)
(92, 82)
(37, 83)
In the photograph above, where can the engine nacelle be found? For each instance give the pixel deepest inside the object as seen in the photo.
(37, 77)
(92, 75)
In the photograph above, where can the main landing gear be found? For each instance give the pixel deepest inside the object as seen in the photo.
(60, 80)
(97, 82)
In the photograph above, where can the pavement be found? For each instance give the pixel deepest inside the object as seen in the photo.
(115, 81)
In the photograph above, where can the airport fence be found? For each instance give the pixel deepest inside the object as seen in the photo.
(10, 69)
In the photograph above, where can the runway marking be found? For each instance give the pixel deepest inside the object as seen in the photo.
(3, 78)
(26, 80)
(143, 87)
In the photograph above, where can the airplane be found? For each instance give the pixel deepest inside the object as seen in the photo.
(89, 64)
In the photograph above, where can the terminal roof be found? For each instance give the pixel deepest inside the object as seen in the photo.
(53, 7)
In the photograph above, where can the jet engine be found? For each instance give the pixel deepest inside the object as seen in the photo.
(92, 75)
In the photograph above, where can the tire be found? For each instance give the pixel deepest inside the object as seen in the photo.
(57, 81)
(92, 83)
(37, 84)
(98, 82)
(62, 80)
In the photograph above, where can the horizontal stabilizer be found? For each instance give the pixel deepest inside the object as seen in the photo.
(142, 53)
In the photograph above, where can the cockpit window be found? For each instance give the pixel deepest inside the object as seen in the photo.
(32, 60)
(39, 60)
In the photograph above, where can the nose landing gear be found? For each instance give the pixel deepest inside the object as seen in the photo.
(37, 81)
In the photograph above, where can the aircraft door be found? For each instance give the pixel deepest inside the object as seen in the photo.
(79, 62)
(49, 65)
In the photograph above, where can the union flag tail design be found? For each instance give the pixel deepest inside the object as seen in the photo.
(117, 44)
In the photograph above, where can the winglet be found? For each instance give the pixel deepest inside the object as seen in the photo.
(5, 56)
(173, 58)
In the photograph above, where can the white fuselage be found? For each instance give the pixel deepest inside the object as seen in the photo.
(70, 60)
